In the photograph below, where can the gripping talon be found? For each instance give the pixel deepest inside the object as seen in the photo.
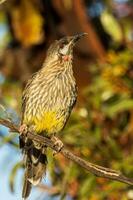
(58, 144)
(23, 129)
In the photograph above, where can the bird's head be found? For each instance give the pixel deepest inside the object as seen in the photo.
(63, 49)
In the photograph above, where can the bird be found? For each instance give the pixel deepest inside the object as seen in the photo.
(47, 101)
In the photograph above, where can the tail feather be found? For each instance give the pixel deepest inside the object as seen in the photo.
(26, 189)
(35, 161)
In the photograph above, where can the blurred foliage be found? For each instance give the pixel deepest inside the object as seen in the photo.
(111, 25)
(99, 130)
(13, 174)
(5, 36)
(28, 31)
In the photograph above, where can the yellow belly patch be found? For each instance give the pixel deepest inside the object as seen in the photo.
(48, 123)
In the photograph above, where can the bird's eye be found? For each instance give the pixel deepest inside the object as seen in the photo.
(63, 47)
(63, 43)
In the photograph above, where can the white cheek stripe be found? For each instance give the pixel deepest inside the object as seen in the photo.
(64, 50)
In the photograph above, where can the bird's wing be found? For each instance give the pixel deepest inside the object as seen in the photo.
(25, 94)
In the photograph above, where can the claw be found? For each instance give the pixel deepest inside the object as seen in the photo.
(23, 129)
(58, 144)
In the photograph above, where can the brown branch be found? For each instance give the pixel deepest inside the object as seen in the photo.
(94, 169)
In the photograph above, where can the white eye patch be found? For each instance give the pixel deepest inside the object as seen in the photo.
(64, 50)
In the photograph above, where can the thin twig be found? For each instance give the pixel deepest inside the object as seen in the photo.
(94, 169)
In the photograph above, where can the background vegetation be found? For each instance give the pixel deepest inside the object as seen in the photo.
(100, 128)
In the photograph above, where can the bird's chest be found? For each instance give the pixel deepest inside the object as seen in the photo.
(61, 98)
(63, 93)
(51, 106)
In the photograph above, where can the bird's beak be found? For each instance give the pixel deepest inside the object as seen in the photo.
(73, 40)
(77, 37)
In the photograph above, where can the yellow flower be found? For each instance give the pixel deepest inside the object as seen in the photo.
(119, 70)
(27, 23)
(111, 57)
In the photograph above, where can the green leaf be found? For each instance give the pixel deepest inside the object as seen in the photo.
(13, 174)
(9, 139)
(122, 105)
(87, 186)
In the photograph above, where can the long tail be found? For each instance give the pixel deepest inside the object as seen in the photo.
(35, 162)
(26, 189)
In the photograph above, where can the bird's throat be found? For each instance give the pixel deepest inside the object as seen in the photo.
(67, 58)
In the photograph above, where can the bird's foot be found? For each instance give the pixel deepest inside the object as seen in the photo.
(58, 144)
(23, 129)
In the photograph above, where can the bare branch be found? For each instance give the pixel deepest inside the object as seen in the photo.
(94, 169)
